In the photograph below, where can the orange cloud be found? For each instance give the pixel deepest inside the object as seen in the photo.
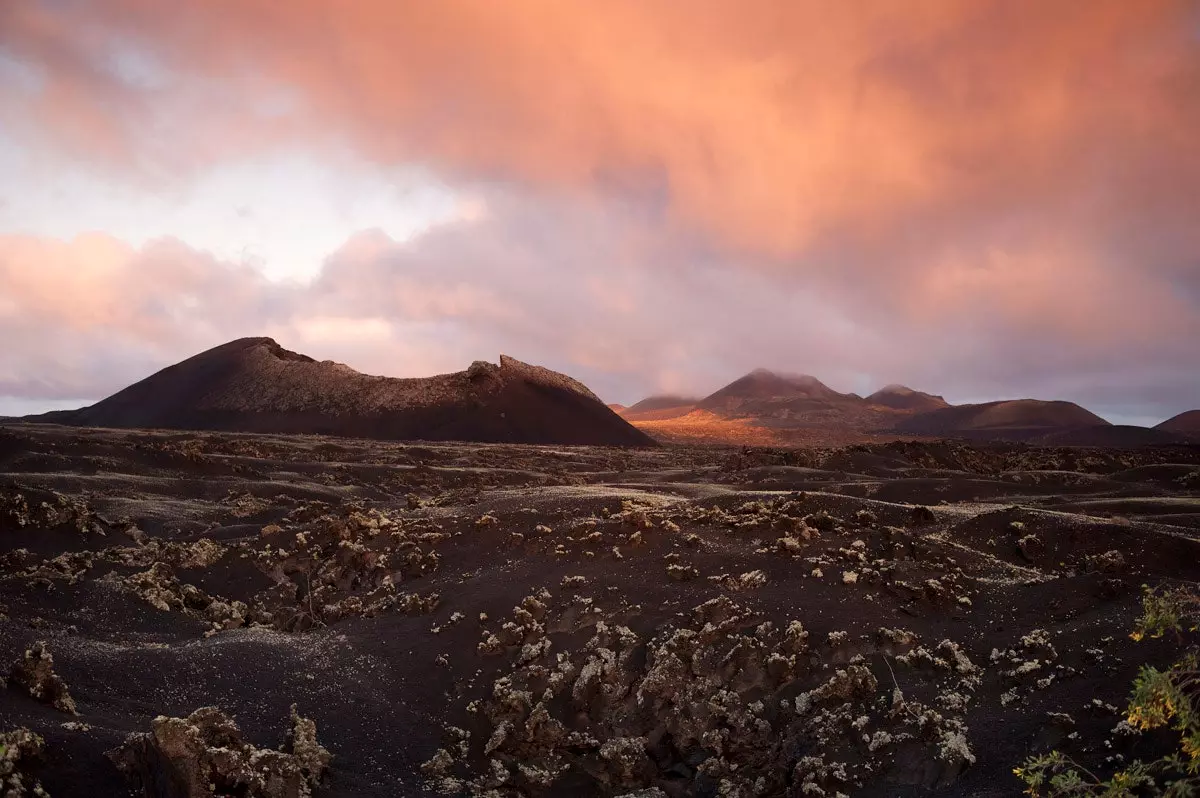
(999, 195)
(768, 122)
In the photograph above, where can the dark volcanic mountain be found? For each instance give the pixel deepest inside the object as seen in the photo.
(766, 395)
(1016, 419)
(1187, 423)
(746, 393)
(901, 397)
(783, 401)
(255, 385)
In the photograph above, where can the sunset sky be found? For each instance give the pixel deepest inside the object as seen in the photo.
(979, 199)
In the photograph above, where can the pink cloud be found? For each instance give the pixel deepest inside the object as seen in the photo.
(981, 198)
(769, 122)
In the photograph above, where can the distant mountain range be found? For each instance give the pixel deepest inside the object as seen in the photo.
(796, 403)
(255, 385)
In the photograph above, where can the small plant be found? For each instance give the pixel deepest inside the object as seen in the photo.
(1167, 611)
(1160, 699)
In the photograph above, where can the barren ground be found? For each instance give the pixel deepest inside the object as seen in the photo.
(892, 619)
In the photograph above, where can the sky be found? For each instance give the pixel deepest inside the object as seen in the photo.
(983, 199)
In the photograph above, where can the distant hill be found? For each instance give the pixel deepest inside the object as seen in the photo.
(255, 385)
(794, 401)
(658, 408)
(780, 398)
(901, 397)
(1112, 436)
(1187, 423)
(766, 405)
(746, 394)
(661, 402)
(1016, 419)
(616, 407)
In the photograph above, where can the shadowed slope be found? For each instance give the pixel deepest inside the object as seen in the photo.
(1187, 423)
(1012, 419)
(255, 385)
(1114, 436)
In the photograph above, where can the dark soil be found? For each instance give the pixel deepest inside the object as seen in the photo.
(491, 619)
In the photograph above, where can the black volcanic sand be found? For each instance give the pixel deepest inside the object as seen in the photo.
(885, 620)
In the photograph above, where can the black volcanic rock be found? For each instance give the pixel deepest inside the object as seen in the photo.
(255, 385)
(901, 397)
(1016, 419)
(1187, 423)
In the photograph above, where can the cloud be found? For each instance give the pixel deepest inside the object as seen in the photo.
(766, 124)
(981, 199)
(85, 316)
(577, 287)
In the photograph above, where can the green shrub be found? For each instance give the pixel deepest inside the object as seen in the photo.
(1160, 699)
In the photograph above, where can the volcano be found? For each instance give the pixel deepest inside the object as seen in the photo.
(255, 385)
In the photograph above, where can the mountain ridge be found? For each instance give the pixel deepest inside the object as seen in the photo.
(256, 385)
(801, 404)
(1187, 423)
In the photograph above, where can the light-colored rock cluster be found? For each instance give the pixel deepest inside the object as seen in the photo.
(721, 699)
(205, 753)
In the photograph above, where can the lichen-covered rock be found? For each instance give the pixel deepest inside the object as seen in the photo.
(682, 573)
(203, 754)
(19, 749)
(1031, 547)
(722, 704)
(42, 509)
(747, 581)
(922, 515)
(1110, 562)
(34, 673)
(161, 589)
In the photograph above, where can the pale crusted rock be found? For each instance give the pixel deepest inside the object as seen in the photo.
(19, 751)
(193, 757)
(34, 673)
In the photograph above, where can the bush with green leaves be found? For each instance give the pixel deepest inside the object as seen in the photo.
(1167, 698)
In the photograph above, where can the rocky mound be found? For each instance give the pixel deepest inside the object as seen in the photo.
(1018, 419)
(901, 397)
(1187, 423)
(19, 750)
(255, 385)
(205, 753)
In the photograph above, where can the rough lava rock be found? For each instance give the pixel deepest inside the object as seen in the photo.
(203, 754)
